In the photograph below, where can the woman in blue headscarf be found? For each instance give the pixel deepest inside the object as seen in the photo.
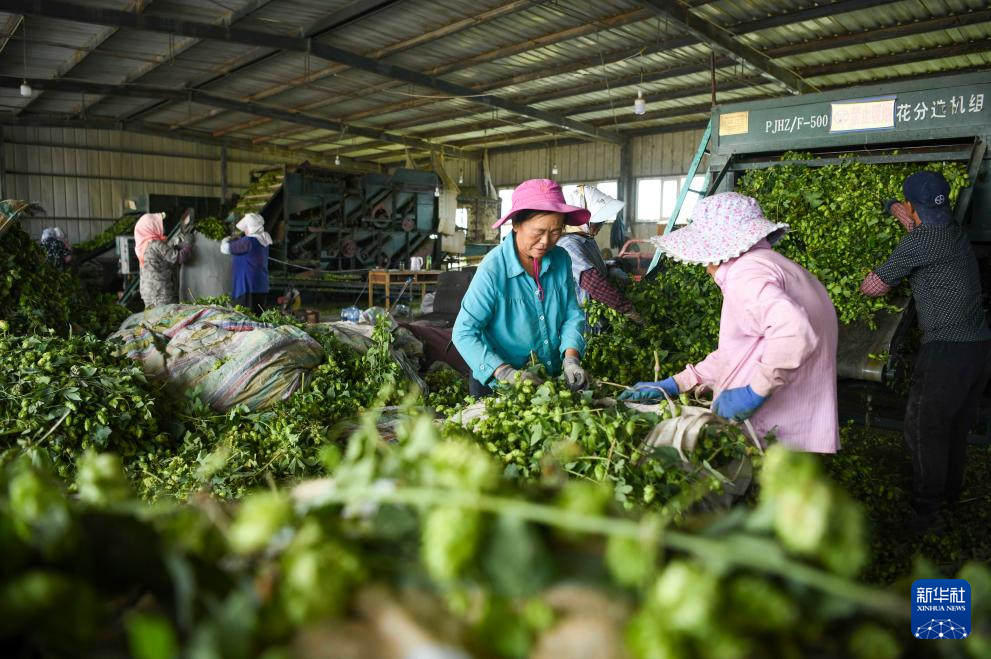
(249, 267)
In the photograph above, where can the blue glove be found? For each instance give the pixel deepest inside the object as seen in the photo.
(737, 404)
(645, 391)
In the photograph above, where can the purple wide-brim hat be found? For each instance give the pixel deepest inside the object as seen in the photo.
(541, 194)
(723, 227)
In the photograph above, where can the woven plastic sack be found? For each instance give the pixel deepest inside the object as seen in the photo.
(225, 357)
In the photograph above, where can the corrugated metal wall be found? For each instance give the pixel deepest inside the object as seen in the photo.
(81, 177)
(589, 161)
(666, 154)
(464, 169)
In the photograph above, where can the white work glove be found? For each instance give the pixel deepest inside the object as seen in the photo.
(225, 247)
(506, 373)
(574, 374)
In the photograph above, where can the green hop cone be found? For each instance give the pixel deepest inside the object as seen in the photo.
(801, 516)
(800, 497)
(775, 610)
(649, 636)
(100, 479)
(846, 549)
(688, 595)
(38, 507)
(449, 537)
(584, 497)
(260, 516)
(460, 466)
(870, 641)
(630, 561)
(317, 574)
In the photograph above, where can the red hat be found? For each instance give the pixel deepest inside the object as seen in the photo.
(542, 194)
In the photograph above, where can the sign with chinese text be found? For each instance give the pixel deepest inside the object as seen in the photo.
(734, 123)
(939, 108)
(941, 609)
(866, 114)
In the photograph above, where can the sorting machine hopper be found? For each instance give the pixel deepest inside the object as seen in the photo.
(933, 119)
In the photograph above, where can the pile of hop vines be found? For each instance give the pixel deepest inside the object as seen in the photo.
(547, 432)
(446, 388)
(72, 394)
(680, 309)
(409, 535)
(213, 228)
(838, 231)
(123, 226)
(231, 454)
(838, 228)
(35, 297)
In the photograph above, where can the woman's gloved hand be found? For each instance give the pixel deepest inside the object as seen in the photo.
(506, 373)
(635, 317)
(737, 404)
(646, 391)
(574, 374)
(225, 247)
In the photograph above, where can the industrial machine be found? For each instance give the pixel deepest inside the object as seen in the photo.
(326, 221)
(941, 118)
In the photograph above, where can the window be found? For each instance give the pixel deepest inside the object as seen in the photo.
(461, 218)
(506, 196)
(657, 197)
(649, 199)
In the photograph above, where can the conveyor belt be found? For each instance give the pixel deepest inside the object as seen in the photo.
(857, 344)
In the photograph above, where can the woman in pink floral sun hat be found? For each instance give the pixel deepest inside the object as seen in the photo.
(776, 358)
(521, 301)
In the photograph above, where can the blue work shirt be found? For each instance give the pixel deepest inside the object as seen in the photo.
(249, 266)
(503, 319)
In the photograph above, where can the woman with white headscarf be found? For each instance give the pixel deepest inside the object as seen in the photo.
(249, 267)
(159, 259)
(587, 267)
(56, 247)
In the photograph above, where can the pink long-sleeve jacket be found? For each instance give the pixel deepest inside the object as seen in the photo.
(777, 333)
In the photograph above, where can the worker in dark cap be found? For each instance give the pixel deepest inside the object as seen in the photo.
(951, 370)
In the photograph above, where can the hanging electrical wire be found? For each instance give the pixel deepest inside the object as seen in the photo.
(26, 90)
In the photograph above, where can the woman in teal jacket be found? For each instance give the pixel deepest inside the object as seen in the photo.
(522, 299)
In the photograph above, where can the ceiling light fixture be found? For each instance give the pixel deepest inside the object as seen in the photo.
(639, 105)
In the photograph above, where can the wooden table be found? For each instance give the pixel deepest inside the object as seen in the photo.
(389, 278)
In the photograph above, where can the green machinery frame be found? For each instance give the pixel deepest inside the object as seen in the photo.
(938, 118)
